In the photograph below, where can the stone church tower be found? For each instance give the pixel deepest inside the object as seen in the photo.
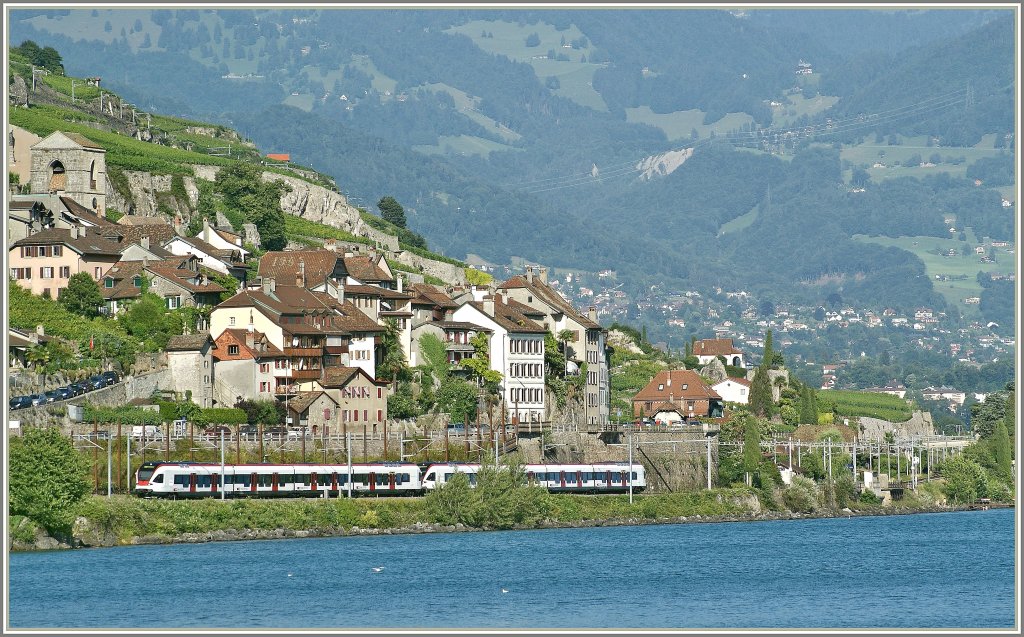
(71, 165)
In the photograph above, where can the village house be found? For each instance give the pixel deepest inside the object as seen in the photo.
(247, 366)
(314, 413)
(225, 261)
(683, 389)
(71, 165)
(179, 281)
(516, 348)
(733, 390)
(710, 348)
(587, 350)
(190, 362)
(43, 262)
(361, 400)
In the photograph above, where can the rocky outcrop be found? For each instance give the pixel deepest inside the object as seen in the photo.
(919, 425)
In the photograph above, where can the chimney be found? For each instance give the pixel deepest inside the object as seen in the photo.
(145, 242)
(592, 313)
(489, 306)
(40, 330)
(341, 293)
(348, 254)
(250, 339)
(449, 314)
(206, 230)
(543, 275)
(330, 244)
(267, 284)
(300, 277)
(145, 262)
(400, 283)
(529, 274)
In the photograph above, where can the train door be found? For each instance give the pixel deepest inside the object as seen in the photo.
(373, 481)
(191, 483)
(253, 481)
(530, 477)
(334, 481)
(608, 479)
(561, 478)
(579, 478)
(213, 483)
(622, 476)
(391, 481)
(273, 482)
(312, 481)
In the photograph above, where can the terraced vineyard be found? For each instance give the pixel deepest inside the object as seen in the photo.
(872, 405)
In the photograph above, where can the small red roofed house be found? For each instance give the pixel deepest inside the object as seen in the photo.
(684, 389)
(733, 390)
(279, 156)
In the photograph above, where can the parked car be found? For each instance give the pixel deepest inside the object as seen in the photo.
(249, 431)
(96, 381)
(65, 392)
(81, 386)
(53, 395)
(38, 399)
(111, 377)
(20, 402)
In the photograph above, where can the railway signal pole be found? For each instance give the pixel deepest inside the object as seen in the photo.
(348, 447)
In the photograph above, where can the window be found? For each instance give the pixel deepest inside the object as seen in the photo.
(108, 282)
(206, 379)
(264, 368)
(65, 271)
(58, 251)
(173, 302)
(137, 281)
(264, 387)
(97, 273)
(380, 415)
(231, 321)
(232, 350)
(45, 273)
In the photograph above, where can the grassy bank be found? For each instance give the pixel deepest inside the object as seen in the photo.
(122, 519)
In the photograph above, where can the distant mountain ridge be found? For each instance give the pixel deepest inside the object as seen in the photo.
(503, 157)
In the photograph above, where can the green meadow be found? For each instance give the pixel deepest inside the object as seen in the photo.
(960, 271)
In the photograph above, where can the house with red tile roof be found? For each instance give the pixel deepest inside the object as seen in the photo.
(362, 401)
(43, 262)
(247, 366)
(709, 348)
(683, 388)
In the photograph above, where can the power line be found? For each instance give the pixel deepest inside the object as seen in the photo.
(763, 136)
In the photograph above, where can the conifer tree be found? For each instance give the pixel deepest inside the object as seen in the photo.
(761, 393)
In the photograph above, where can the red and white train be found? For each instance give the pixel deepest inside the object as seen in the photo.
(174, 479)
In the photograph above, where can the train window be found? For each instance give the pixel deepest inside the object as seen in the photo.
(587, 476)
(615, 477)
(242, 480)
(472, 479)
(228, 479)
(430, 476)
(302, 478)
(159, 479)
(264, 480)
(203, 482)
(447, 477)
(181, 480)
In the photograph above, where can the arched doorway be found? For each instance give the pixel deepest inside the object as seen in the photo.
(58, 177)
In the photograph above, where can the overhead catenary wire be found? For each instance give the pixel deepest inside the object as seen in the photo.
(761, 135)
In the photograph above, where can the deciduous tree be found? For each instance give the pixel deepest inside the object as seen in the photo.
(47, 477)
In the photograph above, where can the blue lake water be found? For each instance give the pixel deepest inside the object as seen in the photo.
(943, 570)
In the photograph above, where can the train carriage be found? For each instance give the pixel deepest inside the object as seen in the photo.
(193, 480)
(608, 477)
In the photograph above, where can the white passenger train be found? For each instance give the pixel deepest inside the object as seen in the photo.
(174, 479)
(200, 479)
(606, 477)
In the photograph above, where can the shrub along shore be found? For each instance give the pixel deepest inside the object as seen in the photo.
(124, 520)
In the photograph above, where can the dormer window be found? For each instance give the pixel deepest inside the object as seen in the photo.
(684, 385)
(232, 350)
(661, 387)
(137, 281)
(108, 282)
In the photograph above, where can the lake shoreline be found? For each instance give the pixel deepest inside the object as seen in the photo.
(45, 542)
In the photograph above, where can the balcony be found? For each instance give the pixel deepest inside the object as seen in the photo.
(303, 351)
(306, 374)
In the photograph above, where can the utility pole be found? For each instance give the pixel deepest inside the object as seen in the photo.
(222, 494)
(709, 462)
(348, 447)
(72, 91)
(630, 476)
(110, 482)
